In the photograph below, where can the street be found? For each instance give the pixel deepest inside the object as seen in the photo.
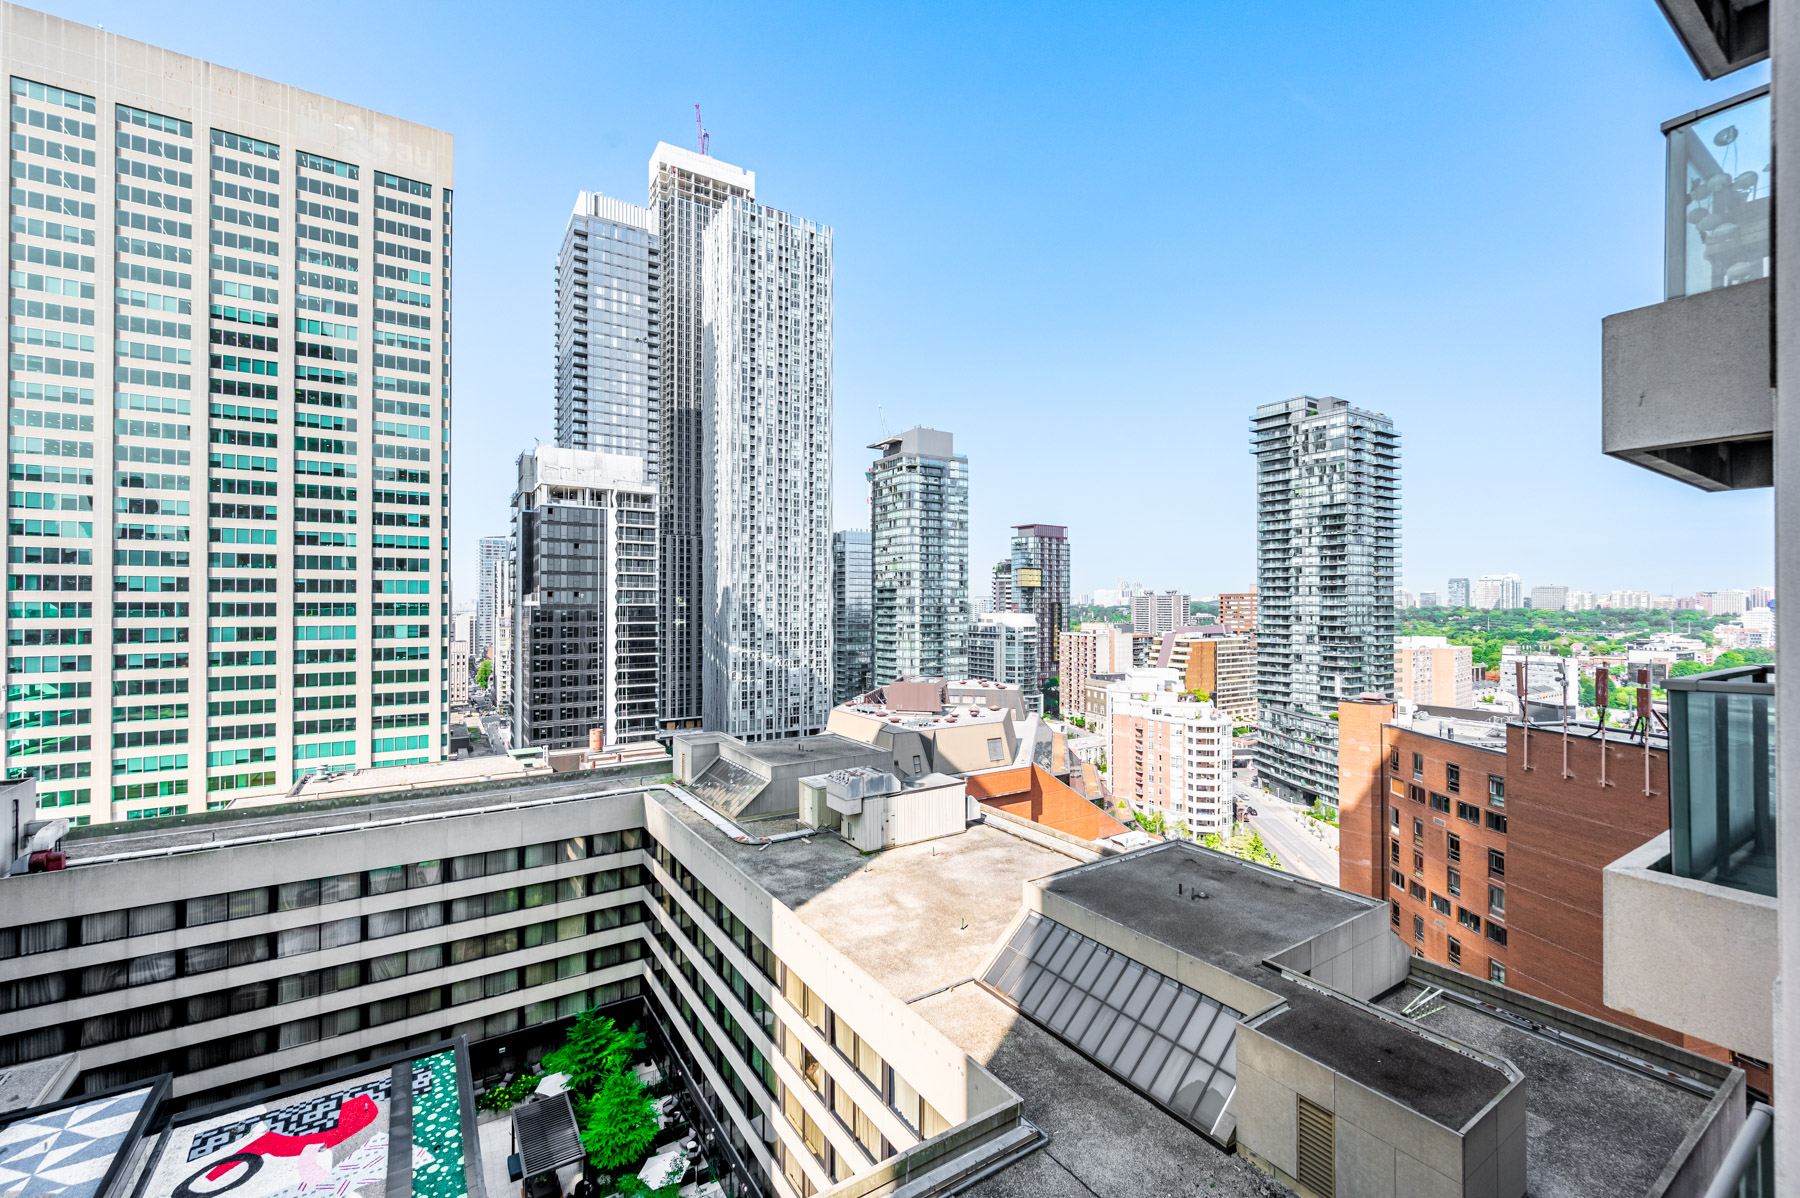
(498, 730)
(1298, 852)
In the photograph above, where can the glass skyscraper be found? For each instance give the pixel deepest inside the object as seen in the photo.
(852, 615)
(1328, 551)
(919, 521)
(608, 274)
(244, 390)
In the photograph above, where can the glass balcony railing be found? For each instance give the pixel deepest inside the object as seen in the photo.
(1720, 194)
(1722, 777)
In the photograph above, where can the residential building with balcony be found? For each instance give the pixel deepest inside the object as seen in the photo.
(608, 330)
(852, 615)
(919, 531)
(1171, 756)
(1040, 587)
(1157, 612)
(1003, 648)
(1328, 547)
(1214, 664)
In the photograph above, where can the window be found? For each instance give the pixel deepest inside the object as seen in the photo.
(1453, 882)
(1442, 803)
(1418, 864)
(1418, 830)
(1399, 880)
(1453, 847)
(1394, 761)
(1418, 766)
(996, 747)
(1394, 851)
(1393, 913)
(1468, 919)
(1496, 972)
(1416, 890)
(1497, 934)
(1496, 790)
(1496, 863)
(1468, 811)
(1453, 779)
(1416, 794)
(1497, 902)
(1419, 928)
(1455, 950)
(1440, 904)
(1496, 822)
(1394, 819)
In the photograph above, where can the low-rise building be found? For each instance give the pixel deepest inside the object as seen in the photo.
(1237, 611)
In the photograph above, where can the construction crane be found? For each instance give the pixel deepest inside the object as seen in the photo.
(700, 131)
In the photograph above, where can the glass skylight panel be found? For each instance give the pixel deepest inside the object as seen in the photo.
(1168, 1041)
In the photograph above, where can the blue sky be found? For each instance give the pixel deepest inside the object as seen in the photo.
(1090, 240)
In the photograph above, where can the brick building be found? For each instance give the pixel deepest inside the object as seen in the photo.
(1490, 851)
(1237, 611)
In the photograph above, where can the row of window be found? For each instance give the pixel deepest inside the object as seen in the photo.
(1496, 784)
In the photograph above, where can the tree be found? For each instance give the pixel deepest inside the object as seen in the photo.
(617, 1119)
(595, 1048)
(483, 673)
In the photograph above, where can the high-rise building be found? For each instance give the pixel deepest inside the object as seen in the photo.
(505, 570)
(1428, 598)
(1003, 648)
(1403, 599)
(1579, 601)
(1458, 593)
(252, 234)
(492, 550)
(686, 192)
(1237, 611)
(608, 281)
(458, 674)
(1328, 547)
(767, 394)
(1550, 598)
(1040, 583)
(1429, 670)
(1000, 587)
(1157, 612)
(1498, 592)
(584, 600)
(852, 615)
(1215, 665)
(1094, 648)
(1171, 755)
(1729, 603)
(1762, 596)
(919, 525)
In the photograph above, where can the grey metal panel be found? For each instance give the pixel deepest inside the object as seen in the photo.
(1688, 374)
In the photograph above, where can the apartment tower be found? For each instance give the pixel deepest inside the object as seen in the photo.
(919, 515)
(1040, 587)
(492, 550)
(1157, 612)
(686, 191)
(608, 279)
(766, 402)
(256, 232)
(1237, 611)
(1328, 547)
(852, 615)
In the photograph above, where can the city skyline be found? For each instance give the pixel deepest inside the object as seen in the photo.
(1378, 300)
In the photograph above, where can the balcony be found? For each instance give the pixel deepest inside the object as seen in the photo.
(1690, 917)
(1685, 384)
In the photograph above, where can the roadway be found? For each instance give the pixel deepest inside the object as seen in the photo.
(498, 730)
(1278, 823)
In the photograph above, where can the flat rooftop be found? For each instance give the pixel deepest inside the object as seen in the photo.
(951, 717)
(1473, 730)
(799, 751)
(1440, 1083)
(915, 917)
(1591, 1126)
(1249, 914)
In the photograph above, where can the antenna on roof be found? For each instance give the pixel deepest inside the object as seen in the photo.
(700, 131)
(879, 415)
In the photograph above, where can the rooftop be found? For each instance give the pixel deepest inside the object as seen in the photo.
(1248, 915)
(1474, 728)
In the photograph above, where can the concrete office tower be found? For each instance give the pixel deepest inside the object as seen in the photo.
(608, 279)
(1430, 671)
(1328, 547)
(1458, 592)
(767, 478)
(1003, 648)
(852, 616)
(1000, 587)
(1498, 592)
(1157, 612)
(1040, 578)
(504, 571)
(1550, 598)
(493, 550)
(584, 600)
(1237, 611)
(686, 191)
(919, 518)
(200, 254)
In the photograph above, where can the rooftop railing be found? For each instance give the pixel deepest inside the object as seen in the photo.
(1722, 777)
(1721, 190)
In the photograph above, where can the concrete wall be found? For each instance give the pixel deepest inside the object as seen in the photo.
(1688, 954)
(1362, 807)
(1384, 1150)
(1361, 958)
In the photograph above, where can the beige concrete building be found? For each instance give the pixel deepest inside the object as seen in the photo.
(1215, 664)
(930, 726)
(1237, 611)
(1430, 671)
(232, 299)
(1098, 648)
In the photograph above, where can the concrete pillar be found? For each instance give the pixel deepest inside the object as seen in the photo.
(1785, 67)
